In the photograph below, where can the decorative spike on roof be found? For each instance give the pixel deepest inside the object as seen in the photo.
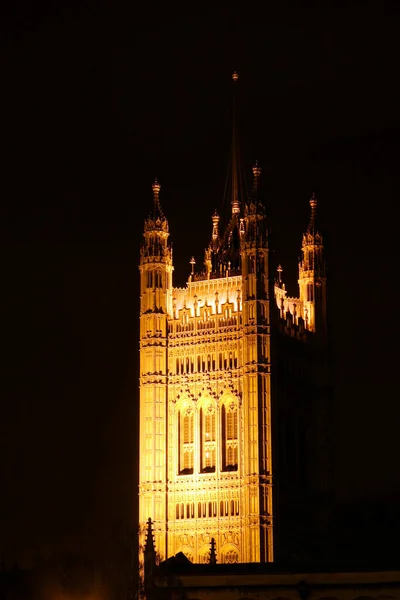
(311, 236)
(256, 175)
(149, 544)
(313, 204)
(235, 157)
(213, 552)
(156, 197)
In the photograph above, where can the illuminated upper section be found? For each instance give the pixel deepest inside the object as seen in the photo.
(312, 246)
(156, 232)
(156, 221)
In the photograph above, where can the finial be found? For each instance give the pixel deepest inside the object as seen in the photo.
(192, 262)
(313, 204)
(156, 189)
(213, 553)
(256, 175)
(313, 201)
(235, 76)
(149, 545)
(279, 269)
(215, 221)
(158, 213)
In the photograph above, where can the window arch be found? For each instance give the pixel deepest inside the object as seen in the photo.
(229, 426)
(158, 279)
(208, 438)
(204, 554)
(230, 555)
(186, 440)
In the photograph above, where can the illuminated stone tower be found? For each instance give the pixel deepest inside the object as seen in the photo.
(155, 309)
(312, 282)
(229, 371)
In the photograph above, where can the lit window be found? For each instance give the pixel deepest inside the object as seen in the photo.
(186, 441)
(208, 438)
(229, 437)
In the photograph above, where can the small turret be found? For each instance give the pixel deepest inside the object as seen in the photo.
(215, 232)
(312, 281)
(156, 259)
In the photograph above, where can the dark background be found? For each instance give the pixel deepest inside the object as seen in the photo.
(99, 99)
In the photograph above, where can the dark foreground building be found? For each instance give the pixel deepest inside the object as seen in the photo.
(178, 579)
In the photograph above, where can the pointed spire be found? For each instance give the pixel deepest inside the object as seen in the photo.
(313, 204)
(149, 544)
(158, 213)
(213, 552)
(235, 159)
(279, 270)
(215, 232)
(156, 220)
(256, 175)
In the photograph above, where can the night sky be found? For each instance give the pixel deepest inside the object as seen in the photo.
(96, 102)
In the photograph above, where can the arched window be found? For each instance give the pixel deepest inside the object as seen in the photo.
(186, 441)
(149, 279)
(158, 279)
(230, 556)
(229, 422)
(208, 439)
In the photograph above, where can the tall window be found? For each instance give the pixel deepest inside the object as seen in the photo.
(229, 437)
(158, 279)
(186, 441)
(207, 437)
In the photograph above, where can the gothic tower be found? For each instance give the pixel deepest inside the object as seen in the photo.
(229, 381)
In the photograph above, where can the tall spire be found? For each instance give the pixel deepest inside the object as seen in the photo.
(235, 159)
(256, 175)
(313, 204)
(156, 220)
(158, 213)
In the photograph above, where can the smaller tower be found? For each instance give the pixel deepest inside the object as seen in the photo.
(155, 308)
(256, 296)
(312, 280)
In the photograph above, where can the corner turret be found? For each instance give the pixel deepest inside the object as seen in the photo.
(312, 280)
